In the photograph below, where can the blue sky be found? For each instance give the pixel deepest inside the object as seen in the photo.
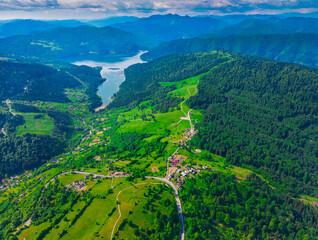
(64, 9)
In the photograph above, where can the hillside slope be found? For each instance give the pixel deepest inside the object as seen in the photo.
(75, 43)
(293, 48)
(27, 26)
(269, 26)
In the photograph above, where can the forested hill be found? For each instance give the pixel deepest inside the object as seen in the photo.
(34, 82)
(263, 114)
(294, 48)
(142, 80)
(258, 114)
(74, 43)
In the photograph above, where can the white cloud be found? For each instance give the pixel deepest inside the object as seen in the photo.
(148, 6)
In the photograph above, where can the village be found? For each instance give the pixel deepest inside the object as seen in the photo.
(177, 167)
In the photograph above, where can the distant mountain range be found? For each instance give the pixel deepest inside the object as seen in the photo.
(299, 48)
(170, 27)
(27, 26)
(75, 43)
(109, 21)
(272, 25)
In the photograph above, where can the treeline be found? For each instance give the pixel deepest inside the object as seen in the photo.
(164, 103)
(34, 82)
(25, 108)
(142, 80)
(3, 119)
(294, 48)
(19, 153)
(13, 123)
(219, 207)
(92, 79)
(63, 123)
(262, 114)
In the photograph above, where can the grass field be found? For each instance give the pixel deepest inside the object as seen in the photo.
(68, 178)
(42, 125)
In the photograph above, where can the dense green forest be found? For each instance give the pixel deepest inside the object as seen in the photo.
(263, 114)
(34, 82)
(25, 108)
(142, 80)
(258, 114)
(30, 82)
(298, 48)
(219, 207)
(91, 79)
(20, 153)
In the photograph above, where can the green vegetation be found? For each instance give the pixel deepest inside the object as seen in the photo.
(83, 42)
(256, 116)
(35, 124)
(226, 209)
(294, 48)
(248, 144)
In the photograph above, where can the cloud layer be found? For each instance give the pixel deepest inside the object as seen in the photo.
(164, 6)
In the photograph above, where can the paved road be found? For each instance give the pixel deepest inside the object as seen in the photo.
(179, 207)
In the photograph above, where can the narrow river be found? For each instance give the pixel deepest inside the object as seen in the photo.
(113, 71)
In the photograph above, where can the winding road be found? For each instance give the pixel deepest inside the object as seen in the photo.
(179, 207)
(10, 111)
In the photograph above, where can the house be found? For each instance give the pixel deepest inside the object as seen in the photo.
(22, 195)
(4, 180)
(178, 171)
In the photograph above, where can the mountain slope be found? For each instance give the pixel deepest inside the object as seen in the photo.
(112, 20)
(263, 114)
(33, 82)
(270, 26)
(27, 26)
(170, 27)
(70, 43)
(257, 113)
(294, 48)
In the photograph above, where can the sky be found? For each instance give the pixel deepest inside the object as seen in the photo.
(89, 9)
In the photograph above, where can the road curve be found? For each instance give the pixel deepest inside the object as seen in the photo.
(179, 207)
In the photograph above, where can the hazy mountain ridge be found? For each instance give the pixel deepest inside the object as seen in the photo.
(28, 26)
(268, 26)
(74, 43)
(169, 27)
(295, 48)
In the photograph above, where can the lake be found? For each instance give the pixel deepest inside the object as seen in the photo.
(113, 71)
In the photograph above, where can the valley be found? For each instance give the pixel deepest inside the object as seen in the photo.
(129, 160)
(159, 127)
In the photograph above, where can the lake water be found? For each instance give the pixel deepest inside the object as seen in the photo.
(113, 71)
